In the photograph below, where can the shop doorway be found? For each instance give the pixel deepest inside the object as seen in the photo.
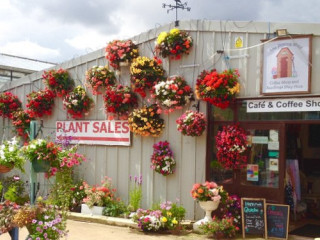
(302, 180)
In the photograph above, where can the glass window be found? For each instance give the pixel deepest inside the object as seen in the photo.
(263, 161)
(222, 114)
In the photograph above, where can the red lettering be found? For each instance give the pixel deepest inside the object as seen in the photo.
(59, 126)
(103, 127)
(78, 126)
(96, 127)
(125, 127)
(109, 127)
(118, 125)
(86, 126)
(71, 127)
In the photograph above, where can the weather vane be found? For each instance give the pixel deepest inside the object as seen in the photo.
(183, 6)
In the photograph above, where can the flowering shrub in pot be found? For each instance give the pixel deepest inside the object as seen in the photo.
(40, 103)
(208, 191)
(172, 93)
(173, 44)
(216, 88)
(191, 123)
(145, 72)
(10, 156)
(163, 217)
(119, 100)
(231, 143)
(146, 121)
(78, 103)
(162, 160)
(21, 122)
(99, 77)
(59, 81)
(220, 229)
(40, 151)
(9, 104)
(119, 51)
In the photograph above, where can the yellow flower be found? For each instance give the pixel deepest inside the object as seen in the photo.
(235, 89)
(162, 36)
(174, 31)
(174, 221)
(169, 214)
(164, 219)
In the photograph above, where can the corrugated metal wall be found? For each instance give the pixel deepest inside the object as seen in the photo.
(189, 152)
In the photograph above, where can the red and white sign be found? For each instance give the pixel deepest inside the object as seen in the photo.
(115, 132)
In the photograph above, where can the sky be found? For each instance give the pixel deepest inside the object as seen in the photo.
(59, 30)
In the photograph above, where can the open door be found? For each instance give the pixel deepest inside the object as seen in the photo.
(263, 177)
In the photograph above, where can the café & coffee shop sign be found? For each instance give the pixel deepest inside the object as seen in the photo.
(284, 105)
(115, 132)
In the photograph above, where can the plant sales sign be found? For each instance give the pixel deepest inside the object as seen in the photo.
(115, 132)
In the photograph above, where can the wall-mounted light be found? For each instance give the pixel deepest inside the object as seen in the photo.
(282, 32)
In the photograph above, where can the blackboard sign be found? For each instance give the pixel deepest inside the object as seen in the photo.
(277, 220)
(253, 212)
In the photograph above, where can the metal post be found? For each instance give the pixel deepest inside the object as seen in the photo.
(33, 175)
(14, 234)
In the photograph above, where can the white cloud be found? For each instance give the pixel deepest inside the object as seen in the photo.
(29, 49)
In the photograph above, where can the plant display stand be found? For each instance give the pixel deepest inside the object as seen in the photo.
(91, 211)
(208, 207)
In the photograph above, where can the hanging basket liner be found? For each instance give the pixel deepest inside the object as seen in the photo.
(5, 169)
(40, 166)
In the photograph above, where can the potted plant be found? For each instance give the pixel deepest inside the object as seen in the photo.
(78, 103)
(99, 77)
(21, 122)
(162, 160)
(191, 123)
(9, 103)
(208, 195)
(220, 228)
(43, 155)
(146, 121)
(7, 212)
(10, 156)
(173, 44)
(40, 103)
(59, 81)
(231, 143)
(216, 88)
(145, 72)
(119, 52)
(172, 93)
(97, 197)
(119, 100)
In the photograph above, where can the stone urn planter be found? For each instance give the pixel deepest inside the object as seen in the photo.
(95, 210)
(208, 207)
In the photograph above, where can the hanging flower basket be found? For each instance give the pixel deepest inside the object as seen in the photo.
(172, 93)
(40, 103)
(173, 44)
(99, 77)
(145, 72)
(146, 121)
(21, 122)
(78, 103)
(216, 88)
(120, 53)
(191, 123)
(9, 103)
(5, 169)
(231, 145)
(119, 101)
(162, 160)
(40, 166)
(59, 81)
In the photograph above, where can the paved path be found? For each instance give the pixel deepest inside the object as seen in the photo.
(95, 231)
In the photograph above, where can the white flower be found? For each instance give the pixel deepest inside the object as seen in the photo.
(11, 149)
(74, 102)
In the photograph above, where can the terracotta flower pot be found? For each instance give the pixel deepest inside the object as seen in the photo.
(5, 169)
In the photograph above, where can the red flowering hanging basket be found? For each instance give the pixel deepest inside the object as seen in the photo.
(191, 123)
(21, 121)
(99, 77)
(40, 103)
(9, 103)
(231, 143)
(119, 101)
(118, 52)
(59, 81)
(216, 88)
